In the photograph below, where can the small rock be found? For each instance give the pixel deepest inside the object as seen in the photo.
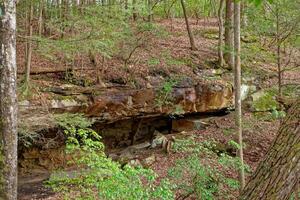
(113, 156)
(66, 86)
(63, 103)
(148, 86)
(246, 90)
(158, 140)
(125, 156)
(141, 146)
(129, 102)
(135, 163)
(147, 162)
(257, 95)
(24, 103)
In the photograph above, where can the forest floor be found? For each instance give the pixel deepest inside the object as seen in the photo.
(161, 54)
(162, 58)
(258, 135)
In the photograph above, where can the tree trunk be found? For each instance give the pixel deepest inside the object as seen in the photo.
(237, 81)
(134, 11)
(229, 40)
(8, 101)
(149, 4)
(277, 175)
(40, 21)
(278, 50)
(191, 37)
(221, 32)
(29, 49)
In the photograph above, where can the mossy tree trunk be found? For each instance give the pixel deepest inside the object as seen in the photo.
(277, 176)
(8, 101)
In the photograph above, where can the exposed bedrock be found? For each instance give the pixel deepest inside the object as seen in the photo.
(113, 104)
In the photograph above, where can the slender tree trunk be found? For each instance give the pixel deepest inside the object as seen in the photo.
(244, 16)
(191, 37)
(221, 32)
(8, 101)
(134, 14)
(237, 81)
(278, 50)
(277, 176)
(40, 22)
(99, 72)
(149, 4)
(229, 39)
(29, 48)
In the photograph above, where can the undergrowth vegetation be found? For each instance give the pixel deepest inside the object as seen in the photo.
(97, 176)
(200, 174)
(203, 173)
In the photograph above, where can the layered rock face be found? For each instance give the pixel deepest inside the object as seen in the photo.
(123, 116)
(113, 104)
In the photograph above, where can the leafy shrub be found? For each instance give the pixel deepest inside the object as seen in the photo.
(201, 174)
(266, 102)
(164, 95)
(96, 176)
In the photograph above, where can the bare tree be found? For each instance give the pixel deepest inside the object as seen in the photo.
(134, 10)
(8, 101)
(237, 81)
(40, 20)
(191, 36)
(221, 32)
(29, 49)
(229, 40)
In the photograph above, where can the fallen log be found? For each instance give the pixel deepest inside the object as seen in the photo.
(53, 70)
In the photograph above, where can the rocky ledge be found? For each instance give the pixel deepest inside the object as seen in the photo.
(115, 103)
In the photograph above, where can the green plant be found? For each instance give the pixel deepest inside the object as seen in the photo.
(164, 95)
(152, 62)
(26, 136)
(96, 176)
(228, 131)
(266, 102)
(201, 174)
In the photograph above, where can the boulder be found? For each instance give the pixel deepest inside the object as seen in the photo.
(158, 140)
(247, 90)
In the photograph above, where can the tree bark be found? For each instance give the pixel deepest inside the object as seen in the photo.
(40, 20)
(29, 49)
(277, 175)
(229, 40)
(221, 32)
(237, 81)
(134, 11)
(191, 37)
(149, 4)
(278, 50)
(8, 101)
